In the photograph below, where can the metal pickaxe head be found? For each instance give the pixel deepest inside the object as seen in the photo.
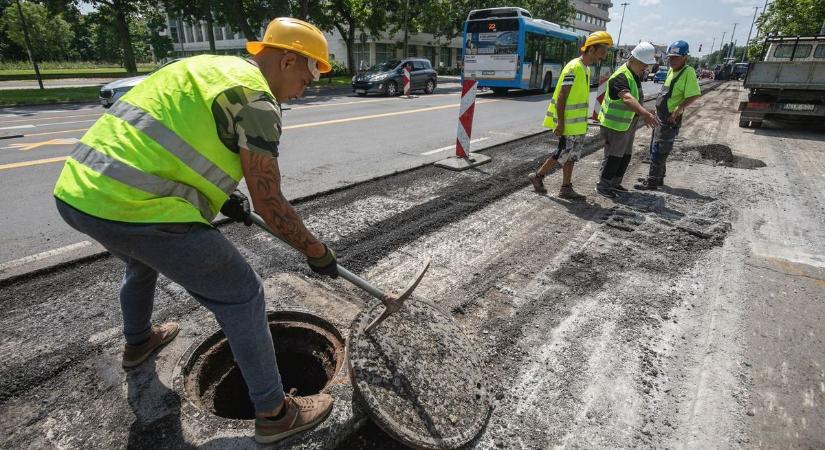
(393, 302)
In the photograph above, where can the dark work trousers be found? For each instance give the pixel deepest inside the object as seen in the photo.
(662, 145)
(618, 148)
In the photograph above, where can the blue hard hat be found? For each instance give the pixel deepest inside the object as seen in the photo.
(678, 48)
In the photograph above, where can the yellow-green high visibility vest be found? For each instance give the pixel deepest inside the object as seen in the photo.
(614, 114)
(576, 108)
(155, 155)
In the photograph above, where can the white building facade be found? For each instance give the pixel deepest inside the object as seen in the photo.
(190, 38)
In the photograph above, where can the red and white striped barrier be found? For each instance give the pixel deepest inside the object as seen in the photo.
(599, 98)
(406, 81)
(465, 118)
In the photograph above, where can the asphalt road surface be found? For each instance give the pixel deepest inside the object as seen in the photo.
(690, 317)
(329, 141)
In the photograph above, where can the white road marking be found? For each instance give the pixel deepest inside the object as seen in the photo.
(451, 147)
(16, 127)
(33, 258)
(66, 123)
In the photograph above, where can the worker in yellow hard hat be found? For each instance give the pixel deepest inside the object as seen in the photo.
(567, 114)
(150, 176)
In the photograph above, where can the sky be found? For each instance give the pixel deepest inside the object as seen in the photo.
(694, 21)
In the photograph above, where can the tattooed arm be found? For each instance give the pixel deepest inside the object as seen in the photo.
(263, 178)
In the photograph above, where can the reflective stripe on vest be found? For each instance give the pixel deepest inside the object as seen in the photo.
(155, 156)
(128, 175)
(159, 133)
(614, 113)
(576, 107)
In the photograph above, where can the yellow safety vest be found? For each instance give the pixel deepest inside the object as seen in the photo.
(614, 114)
(576, 107)
(155, 155)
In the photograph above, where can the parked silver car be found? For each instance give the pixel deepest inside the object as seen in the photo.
(109, 93)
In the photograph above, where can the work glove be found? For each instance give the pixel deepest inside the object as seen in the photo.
(324, 265)
(237, 208)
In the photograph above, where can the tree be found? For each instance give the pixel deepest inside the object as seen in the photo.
(247, 16)
(792, 18)
(54, 35)
(350, 16)
(195, 11)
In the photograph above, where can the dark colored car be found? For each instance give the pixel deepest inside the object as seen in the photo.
(388, 77)
(661, 75)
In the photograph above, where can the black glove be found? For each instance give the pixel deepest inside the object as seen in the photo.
(237, 208)
(324, 265)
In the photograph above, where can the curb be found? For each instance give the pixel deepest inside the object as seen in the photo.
(47, 265)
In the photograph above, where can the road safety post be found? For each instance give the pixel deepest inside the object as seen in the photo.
(465, 118)
(463, 159)
(407, 82)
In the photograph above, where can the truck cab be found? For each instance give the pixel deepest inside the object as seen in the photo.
(788, 82)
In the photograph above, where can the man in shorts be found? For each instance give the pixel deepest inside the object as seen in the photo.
(567, 114)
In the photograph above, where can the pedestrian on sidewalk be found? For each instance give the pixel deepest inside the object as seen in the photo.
(680, 90)
(152, 173)
(619, 115)
(567, 114)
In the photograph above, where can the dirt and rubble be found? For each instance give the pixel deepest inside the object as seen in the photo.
(687, 317)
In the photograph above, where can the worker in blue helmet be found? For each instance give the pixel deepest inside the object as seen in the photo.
(680, 90)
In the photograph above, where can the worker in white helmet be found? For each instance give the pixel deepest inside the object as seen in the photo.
(620, 112)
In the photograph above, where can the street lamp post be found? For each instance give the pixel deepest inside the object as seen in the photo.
(619, 39)
(29, 49)
(732, 51)
(748, 42)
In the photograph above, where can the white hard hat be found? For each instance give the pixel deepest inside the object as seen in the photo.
(645, 53)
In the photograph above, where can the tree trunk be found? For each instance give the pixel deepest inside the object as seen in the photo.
(304, 13)
(349, 39)
(242, 22)
(210, 29)
(122, 26)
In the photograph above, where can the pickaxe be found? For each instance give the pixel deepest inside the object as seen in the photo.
(392, 301)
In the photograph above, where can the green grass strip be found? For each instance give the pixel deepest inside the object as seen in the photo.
(20, 97)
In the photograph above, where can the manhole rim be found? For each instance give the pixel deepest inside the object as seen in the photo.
(203, 415)
(356, 329)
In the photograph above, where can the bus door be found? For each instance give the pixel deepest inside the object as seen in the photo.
(534, 54)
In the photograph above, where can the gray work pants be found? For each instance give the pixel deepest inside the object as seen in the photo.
(211, 269)
(618, 149)
(665, 135)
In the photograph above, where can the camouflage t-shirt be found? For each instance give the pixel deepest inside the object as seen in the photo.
(248, 119)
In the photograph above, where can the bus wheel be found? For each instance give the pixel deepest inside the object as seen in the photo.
(548, 80)
(500, 91)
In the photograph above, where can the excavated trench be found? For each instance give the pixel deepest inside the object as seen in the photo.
(309, 350)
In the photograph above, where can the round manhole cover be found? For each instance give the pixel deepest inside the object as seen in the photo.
(418, 376)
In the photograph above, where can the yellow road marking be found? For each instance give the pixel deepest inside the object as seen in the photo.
(32, 163)
(304, 125)
(378, 116)
(299, 107)
(34, 145)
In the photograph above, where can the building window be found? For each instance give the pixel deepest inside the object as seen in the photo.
(198, 32)
(218, 31)
(445, 56)
(384, 52)
(188, 33)
(361, 55)
(429, 53)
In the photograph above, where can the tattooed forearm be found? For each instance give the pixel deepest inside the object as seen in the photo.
(263, 178)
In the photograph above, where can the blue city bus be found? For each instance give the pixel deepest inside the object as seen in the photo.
(506, 48)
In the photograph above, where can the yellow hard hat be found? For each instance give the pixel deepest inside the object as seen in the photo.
(297, 36)
(598, 37)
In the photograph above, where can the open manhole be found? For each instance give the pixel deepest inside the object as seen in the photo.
(309, 350)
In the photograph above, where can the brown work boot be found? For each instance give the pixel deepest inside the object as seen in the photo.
(568, 193)
(161, 335)
(298, 414)
(538, 183)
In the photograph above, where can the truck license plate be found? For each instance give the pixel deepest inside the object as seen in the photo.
(488, 72)
(799, 107)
